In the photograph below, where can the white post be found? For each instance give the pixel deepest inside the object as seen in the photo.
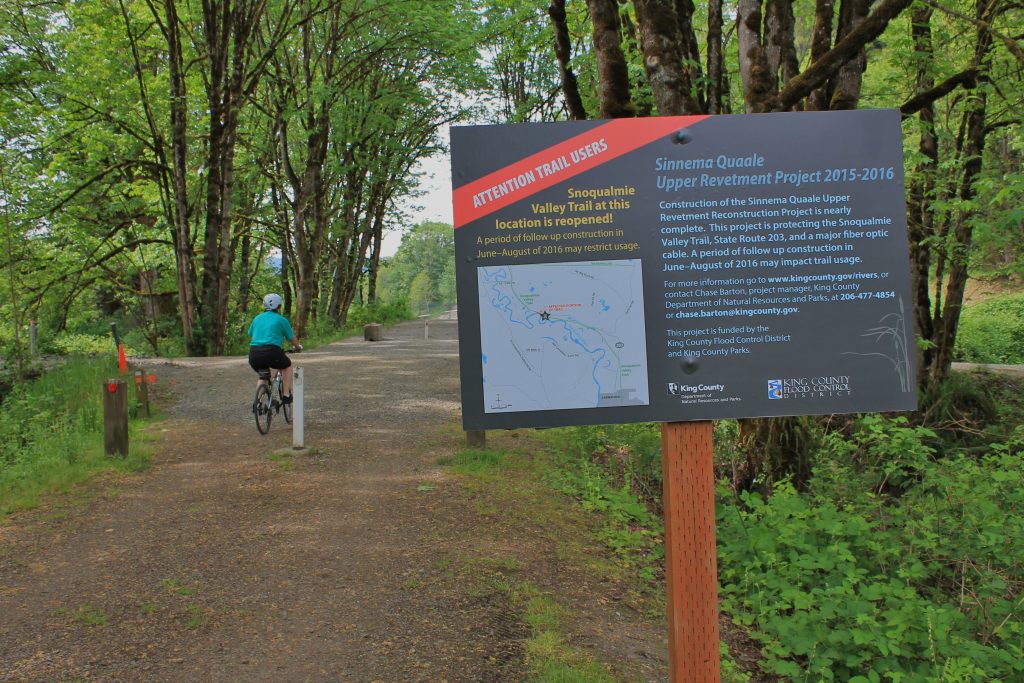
(298, 390)
(426, 328)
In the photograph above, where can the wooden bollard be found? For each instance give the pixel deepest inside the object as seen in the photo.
(373, 332)
(476, 438)
(115, 417)
(142, 392)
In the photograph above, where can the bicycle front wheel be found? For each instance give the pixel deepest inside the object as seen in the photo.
(262, 408)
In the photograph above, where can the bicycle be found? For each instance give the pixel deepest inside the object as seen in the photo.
(270, 399)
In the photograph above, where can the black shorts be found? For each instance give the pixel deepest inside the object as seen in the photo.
(262, 357)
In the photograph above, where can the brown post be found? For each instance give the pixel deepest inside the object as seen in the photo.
(373, 332)
(476, 438)
(142, 392)
(691, 564)
(115, 417)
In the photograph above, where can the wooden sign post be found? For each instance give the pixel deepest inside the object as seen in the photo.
(691, 566)
(115, 417)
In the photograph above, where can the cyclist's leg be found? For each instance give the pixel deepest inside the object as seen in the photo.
(284, 365)
(286, 381)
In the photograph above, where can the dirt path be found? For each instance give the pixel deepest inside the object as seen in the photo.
(224, 563)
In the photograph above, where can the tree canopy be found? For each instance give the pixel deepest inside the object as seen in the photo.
(157, 153)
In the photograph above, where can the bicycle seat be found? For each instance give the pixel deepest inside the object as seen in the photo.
(264, 373)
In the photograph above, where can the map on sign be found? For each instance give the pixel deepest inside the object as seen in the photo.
(562, 335)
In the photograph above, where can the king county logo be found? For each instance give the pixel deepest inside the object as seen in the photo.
(774, 388)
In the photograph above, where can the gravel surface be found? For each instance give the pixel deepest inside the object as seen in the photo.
(230, 561)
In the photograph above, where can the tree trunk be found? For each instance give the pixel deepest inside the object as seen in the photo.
(846, 49)
(974, 149)
(613, 74)
(846, 84)
(184, 258)
(691, 50)
(378, 240)
(664, 52)
(821, 43)
(758, 86)
(716, 86)
(920, 220)
(563, 52)
(780, 45)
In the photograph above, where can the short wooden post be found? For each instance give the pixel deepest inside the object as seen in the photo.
(298, 409)
(142, 392)
(115, 417)
(476, 438)
(372, 332)
(691, 564)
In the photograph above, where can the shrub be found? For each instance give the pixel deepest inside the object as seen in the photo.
(992, 331)
(54, 431)
(87, 345)
(846, 584)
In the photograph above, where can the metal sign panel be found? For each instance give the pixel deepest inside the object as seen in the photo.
(682, 268)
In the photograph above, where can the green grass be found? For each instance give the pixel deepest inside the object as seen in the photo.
(510, 482)
(550, 657)
(992, 331)
(195, 617)
(284, 460)
(149, 607)
(87, 615)
(53, 434)
(596, 523)
(175, 586)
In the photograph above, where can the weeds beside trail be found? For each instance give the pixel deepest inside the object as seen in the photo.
(53, 433)
(362, 560)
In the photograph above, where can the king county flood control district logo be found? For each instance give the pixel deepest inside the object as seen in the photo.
(813, 387)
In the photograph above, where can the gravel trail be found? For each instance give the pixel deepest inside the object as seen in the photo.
(226, 562)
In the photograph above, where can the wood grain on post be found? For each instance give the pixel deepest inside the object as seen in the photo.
(476, 438)
(691, 564)
(115, 417)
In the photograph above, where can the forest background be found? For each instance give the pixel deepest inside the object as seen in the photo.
(166, 163)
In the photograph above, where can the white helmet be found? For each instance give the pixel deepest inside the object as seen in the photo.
(272, 302)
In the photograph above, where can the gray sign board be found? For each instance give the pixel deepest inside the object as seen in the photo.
(682, 268)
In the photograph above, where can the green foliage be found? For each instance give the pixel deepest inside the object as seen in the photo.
(845, 584)
(422, 292)
(992, 331)
(963, 409)
(385, 313)
(612, 470)
(53, 433)
(422, 269)
(87, 345)
(477, 462)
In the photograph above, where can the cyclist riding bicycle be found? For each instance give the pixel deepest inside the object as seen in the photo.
(269, 330)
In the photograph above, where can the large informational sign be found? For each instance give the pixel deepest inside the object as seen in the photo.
(682, 268)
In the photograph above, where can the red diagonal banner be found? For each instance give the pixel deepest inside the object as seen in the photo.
(560, 162)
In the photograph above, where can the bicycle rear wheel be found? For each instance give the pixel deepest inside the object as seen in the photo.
(286, 408)
(262, 409)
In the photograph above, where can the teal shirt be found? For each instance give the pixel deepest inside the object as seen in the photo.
(270, 329)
